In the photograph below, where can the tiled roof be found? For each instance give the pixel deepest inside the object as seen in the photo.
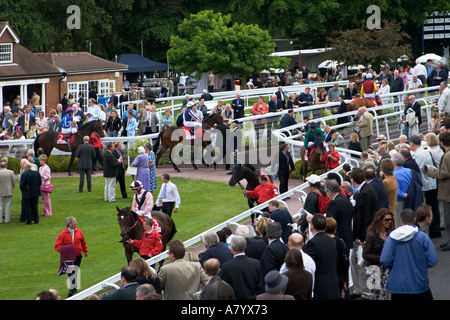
(81, 62)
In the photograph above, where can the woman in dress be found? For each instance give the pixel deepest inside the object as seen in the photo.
(377, 233)
(45, 172)
(141, 162)
(384, 90)
(41, 123)
(151, 166)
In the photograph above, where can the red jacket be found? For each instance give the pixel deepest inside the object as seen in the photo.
(65, 238)
(264, 193)
(150, 244)
(96, 141)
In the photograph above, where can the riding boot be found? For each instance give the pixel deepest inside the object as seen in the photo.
(191, 131)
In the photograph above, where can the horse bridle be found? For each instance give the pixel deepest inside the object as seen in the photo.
(128, 229)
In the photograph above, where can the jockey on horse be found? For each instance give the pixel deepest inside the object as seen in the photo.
(143, 203)
(192, 118)
(369, 89)
(68, 126)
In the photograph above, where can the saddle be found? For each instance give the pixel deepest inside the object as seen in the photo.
(190, 134)
(61, 138)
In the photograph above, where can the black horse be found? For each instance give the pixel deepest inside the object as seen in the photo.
(249, 173)
(131, 227)
(49, 140)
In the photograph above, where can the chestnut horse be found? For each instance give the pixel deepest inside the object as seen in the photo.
(131, 227)
(168, 140)
(362, 102)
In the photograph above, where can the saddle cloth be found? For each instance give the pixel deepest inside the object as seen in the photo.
(190, 136)
(61, 137)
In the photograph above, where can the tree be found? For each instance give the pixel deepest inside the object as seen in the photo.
(210, 41)
(374, 47)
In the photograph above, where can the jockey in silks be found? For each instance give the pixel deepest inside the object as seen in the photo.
(313, 133)
(192, 117)
(68, 127)
(368, 87)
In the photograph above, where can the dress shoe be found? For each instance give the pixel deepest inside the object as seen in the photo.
(231, 172)
(442, 245)
(445, 248)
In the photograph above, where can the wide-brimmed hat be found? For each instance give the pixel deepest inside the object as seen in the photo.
(275, 281)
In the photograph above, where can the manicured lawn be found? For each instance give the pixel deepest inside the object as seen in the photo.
(29, 262)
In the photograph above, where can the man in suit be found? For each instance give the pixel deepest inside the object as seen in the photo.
(30, 185)
(7, 182)
(274, 105)
(366, 205)
(350, 92)
(322, 249)
(114, 99)
(111, 167)
(255, 245)
(128, 283)
(117, 153)
(273, 255)
(415, 105)
(215, 249)
(216, 288)
(372, 179)
(281, 96)
(397, 85)
(285, 167)
(385, 74)
(85, 154)
(341, 209)
(365, 126)
(238, 106)
(26, 120)
(78, 115)
(438, 75)
(281, 216)
(180, 276)
(242, 273)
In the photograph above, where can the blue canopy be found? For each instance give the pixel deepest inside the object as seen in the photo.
(137, 63)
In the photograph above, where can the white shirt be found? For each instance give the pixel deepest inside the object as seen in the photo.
(172, 194)
(419, 70)
(415, 85)
(423, 157)
(444, 101)
(94, 111)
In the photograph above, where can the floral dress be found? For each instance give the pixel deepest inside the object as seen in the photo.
(152, 170)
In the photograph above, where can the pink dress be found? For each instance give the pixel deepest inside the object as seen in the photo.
(45, 173)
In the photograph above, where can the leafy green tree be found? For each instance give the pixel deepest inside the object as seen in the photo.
(211, 41)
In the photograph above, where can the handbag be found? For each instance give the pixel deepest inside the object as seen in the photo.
(47, 188)
(131, 171)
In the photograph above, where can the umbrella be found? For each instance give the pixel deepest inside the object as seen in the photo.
(328, 64)
(425, 57)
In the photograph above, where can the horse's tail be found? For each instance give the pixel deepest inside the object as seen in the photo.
(172, 232)
(156, 145)
(36, 145)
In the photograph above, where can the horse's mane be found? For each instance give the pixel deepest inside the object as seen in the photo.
(87, 125)
(250, 166)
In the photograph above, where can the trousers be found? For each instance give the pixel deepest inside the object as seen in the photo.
(5, 208)
(110, 189)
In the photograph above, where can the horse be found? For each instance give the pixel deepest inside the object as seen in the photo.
(314, 161)
(48, 140)
(249, 173)
(362, 102)
(165, 138)
(131, 227)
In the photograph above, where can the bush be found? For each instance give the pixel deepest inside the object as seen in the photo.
(61, 163)
(14, 165)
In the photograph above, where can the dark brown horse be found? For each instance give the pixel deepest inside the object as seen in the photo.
(314, 162)
(48, 140)
(170, 137)
(131, 227)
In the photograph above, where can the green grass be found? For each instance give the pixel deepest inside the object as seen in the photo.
(29, 262)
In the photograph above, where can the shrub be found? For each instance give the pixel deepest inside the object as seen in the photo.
(61, 163)
(14, 165)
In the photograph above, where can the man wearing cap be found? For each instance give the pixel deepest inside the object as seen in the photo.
(142, 200)
(68, 127)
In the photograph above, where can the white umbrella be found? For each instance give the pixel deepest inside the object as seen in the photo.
(328, 64)
(425, 57)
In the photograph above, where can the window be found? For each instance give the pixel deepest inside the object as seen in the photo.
(6, 53)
